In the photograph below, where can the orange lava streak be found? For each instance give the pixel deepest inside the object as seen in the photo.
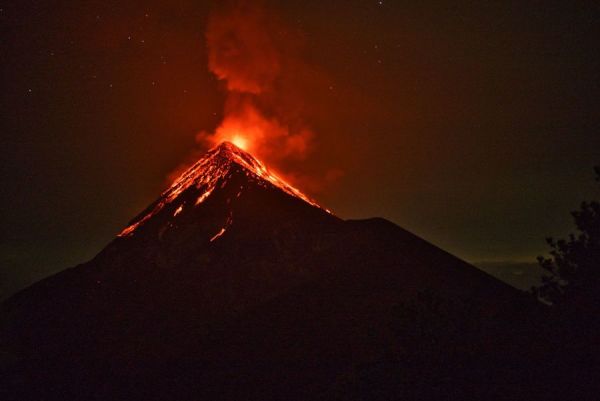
(217, 235)
(205, 175)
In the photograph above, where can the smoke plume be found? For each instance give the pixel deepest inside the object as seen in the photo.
(257, 58)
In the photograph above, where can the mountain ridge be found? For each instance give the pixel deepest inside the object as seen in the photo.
(254, 281)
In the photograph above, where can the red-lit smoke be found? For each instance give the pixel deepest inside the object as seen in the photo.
(257, 58)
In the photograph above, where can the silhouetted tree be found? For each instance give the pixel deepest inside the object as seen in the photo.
(574, 263)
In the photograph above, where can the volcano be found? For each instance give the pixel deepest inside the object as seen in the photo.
(235, 285)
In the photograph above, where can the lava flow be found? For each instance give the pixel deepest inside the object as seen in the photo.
(212, 170)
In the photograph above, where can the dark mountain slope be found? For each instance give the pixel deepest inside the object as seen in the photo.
(233, 285)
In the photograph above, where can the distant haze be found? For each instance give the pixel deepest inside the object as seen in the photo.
(521, 275)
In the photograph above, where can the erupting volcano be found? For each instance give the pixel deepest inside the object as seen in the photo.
(459, 121)
(234, 285)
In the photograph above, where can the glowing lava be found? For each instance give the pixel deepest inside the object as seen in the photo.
(212, 170)
(240, 142)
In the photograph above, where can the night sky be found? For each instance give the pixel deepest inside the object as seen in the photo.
(473, 125)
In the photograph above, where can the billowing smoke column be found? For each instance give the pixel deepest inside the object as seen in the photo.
(251, 51)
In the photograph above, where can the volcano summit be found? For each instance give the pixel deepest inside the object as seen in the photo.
(235, 285)
(219, 166)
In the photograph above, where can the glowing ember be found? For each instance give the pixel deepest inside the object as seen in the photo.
(217, 235)
(215, 169)
(203, 197)
(222, 230)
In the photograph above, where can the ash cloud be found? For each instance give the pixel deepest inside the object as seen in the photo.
(257, 58)
(243, 48)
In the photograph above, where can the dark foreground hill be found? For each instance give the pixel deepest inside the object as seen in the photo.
(235, 286)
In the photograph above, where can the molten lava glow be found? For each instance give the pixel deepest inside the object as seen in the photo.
(203, 197)
(240, 142)
(247, 127)
(213, 170)
(222, 230)
(217, 235)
